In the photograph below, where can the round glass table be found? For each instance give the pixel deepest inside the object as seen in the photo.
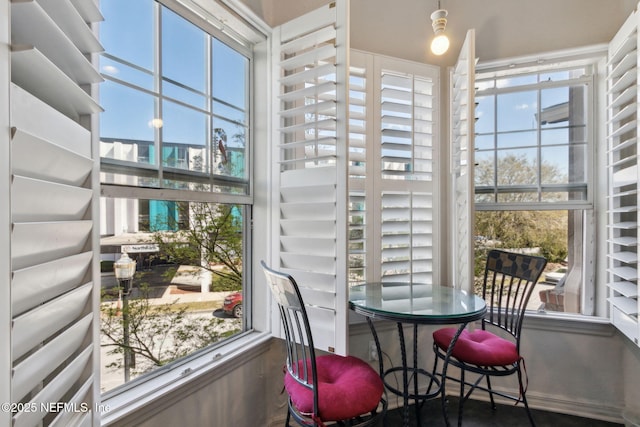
(415, 304)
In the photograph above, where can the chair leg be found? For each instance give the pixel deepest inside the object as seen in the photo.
(493, 403)
(524, 398)
(433, 372)
(461, 402)
(286, 424)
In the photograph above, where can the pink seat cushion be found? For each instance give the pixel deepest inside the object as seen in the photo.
(479, 347)
(347, 387)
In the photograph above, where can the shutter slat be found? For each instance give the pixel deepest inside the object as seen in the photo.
(36, 285)
(71, 22)
(309, 91)
(34, 27)
(29, 373)
(319, 56)
(58, 90)
(317, 37)
(77, 418)
(49, 318)
(308, 210)
(53, 163)
(36, 200)
(309, 245)
(31, 115)
(312, 75)
(40, 242)
(54, 391)
(325, 108)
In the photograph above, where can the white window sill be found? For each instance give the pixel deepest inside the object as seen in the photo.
(546, 321)
(569, 323)
(208, 366)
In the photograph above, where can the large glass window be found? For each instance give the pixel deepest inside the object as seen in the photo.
(532, 174)
(175, 101)
(174, 141)
(531, 140)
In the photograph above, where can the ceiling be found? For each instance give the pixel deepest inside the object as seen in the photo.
(504, 28)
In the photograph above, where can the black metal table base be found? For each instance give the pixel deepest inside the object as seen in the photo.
(436, 387)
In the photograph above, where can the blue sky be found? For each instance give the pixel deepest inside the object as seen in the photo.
(128, 33)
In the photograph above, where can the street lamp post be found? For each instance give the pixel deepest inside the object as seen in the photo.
(124, 269)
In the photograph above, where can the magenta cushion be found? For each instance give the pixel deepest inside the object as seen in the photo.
(479, 347)
(348, 387)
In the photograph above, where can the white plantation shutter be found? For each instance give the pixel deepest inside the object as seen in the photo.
(53, 208)
(311, 62)
(407, 236)
(407, 190)
(393, 183)
(360, 130)
(622, 156)
(462, 163)
(406, 122)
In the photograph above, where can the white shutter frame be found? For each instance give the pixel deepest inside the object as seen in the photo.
(399, 233)
(53, 202)
(5, 209)
(623, 214)
(310, 60)
(462, 96)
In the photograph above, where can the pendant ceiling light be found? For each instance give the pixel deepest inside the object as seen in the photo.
(440, 43)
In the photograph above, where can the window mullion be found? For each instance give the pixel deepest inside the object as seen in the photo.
(158, 131)
(539, 145)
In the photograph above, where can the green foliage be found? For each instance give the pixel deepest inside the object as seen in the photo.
(553, 250)
(213, 241)
(512, 229)
(224, 284)
(546, 230)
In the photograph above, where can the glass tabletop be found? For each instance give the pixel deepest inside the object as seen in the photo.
(416, 303)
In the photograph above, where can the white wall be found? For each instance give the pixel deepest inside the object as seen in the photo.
(573, 368)
(245, 392)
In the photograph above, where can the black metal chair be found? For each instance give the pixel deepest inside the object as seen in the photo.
(322, 389)
(494, 350)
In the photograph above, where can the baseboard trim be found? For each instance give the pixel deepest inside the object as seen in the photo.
(586, 409)
(593, 410)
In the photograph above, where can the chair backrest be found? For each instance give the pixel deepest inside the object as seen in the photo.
(509, 279)
(301, 358)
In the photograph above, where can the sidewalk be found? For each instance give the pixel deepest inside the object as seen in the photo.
(183, 286)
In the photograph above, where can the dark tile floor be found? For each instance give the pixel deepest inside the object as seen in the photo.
(479, 414)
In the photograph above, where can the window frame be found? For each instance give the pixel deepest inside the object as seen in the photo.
(587, 81)
(592, 301)
(157, 169)
(240, 29)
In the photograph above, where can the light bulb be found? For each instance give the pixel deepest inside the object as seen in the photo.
(440, 44)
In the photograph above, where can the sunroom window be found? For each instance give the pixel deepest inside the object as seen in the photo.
(174, 145)
(533, 161)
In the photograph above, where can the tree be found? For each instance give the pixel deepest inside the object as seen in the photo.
(158, 333)
(213, 241)
(516, 171)
(546, 230)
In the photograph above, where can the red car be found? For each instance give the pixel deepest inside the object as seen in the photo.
(233, 304)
